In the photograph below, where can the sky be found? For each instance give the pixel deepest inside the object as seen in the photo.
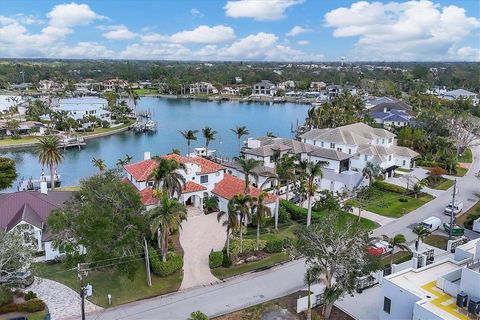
(242, 30)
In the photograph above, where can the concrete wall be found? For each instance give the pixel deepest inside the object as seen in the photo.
(470, 282)
(50, 252)
(420, 313)
(402, 302)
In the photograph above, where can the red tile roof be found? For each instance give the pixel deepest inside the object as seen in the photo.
(142, 170)
(230, 186)
(146, 195)
(191, 186)
(206, 166)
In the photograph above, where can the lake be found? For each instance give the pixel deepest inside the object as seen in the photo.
(172, 115)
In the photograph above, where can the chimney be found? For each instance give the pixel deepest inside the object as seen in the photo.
(146, 155)
(43, 187)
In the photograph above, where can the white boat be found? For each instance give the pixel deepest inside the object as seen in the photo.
(200, 152)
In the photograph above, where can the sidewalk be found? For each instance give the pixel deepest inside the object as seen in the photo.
(381, 220)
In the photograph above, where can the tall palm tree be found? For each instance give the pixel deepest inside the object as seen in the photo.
(122, 162)
(261, 212)
(313, 170)
(209, 135)
(99, 164)
(189, 135)
(231, 222)
(50, 154)
(167, 178)
(248, 166)
(398, 241)
(165, 218)
(300, 172)
(286, 171)
(240, 132)
(421, 233)
(371, 170)
(242, 204)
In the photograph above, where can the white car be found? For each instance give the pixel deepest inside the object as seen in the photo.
(457, 208)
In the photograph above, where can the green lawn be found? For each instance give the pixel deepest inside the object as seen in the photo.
(119, 286)
(437, 241)
(40, 315)
(284, 231)
(396, 258)
(460, 172)
(22, 140)
(387, 203)
(466, 157)
(68, 188)
(441, 184)
(271, 260)
(103, 130)
(142, 92)
(474, 212)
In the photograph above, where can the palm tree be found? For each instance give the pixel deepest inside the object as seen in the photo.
(421, 233)
(240, 132)
(242, 204)
(313, 170)
(132, 94)
(13, 125)
(231, 222)
(99, 164)
(209, 135)
(165, 218)
(166, 177)
(189, 135)
(122, 162)
(398, 241)
(50, 154)
(371, 170)
(286, 171)
(261, 212)
(248, 166)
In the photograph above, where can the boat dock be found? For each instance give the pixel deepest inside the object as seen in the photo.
(34, 184)
(67, 142)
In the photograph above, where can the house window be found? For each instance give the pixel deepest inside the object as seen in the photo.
(150, 183)
(390, 158)
(339, 149)
(404, 162)
(321, 144)
(387, 304)
(390, 140)
(366, 157)
(203, 179)
(383, 141)
(314, 142)
(332, 145)
(349, 151)
(217, 173)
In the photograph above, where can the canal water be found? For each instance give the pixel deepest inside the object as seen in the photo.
(172, 115)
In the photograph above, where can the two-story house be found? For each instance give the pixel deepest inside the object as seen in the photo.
(81, 108)
(264, 88)
(202, 87)
(365, 144)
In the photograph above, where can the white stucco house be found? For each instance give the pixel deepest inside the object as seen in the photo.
(202, 87)
(264, 88)
(27, 212)
(364, 144)
(79, 108)
(461, 94)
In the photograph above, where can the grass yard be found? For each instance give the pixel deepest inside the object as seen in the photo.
(271, 260)
(460, 172)
(142, 92)
(387, 203)
(473, 212)
(103, 130)
(40, 315)
(284, 231)
(68, 188)
(120, 287)
(22, 140)
(437, 241)
(466, 157)
(441, 184)
(396, 258)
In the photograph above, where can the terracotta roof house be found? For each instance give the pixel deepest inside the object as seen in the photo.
(27, 212)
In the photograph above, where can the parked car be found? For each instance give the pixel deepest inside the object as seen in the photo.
(295, 199)
(456, 232)
(380, 248)
(18, 279)
(431, 224)
(457, 208)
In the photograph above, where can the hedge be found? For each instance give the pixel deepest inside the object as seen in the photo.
(30, 295)
(6, 295)
(215, 259)
(174, 263)
(428, 163)
(297, 213)
(33, 305)
(385, 186)
(249, 245)
(274, 246)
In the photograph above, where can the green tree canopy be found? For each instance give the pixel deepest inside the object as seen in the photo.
(8, 173)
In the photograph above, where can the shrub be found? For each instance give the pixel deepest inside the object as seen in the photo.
(427, 163)
(215, 259)
(163, 269)
(297, 213)
(283, 215)
(273, 246)
(33, 305)
(470, 219)
(6, 295)
(30, 295)
(227, 261)
(385, 186)
(249, 245)
(403, 199)
(198, 315)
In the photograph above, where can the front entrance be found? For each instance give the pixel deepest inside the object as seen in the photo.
(194, 201)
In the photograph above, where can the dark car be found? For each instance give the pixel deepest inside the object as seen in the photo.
(295, 199)
(18, 279)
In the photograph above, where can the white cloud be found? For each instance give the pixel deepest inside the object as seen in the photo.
(412, 30)
(72, 14)
(205, 34)
(28, 19)
(196, 13)
(155, 37)
(151, 51)
(118, 32)
(303, 42)
(259, 9)
(467, 53)
(297, 30)
(91, 50)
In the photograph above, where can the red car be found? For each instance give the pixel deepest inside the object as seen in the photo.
(380, 248)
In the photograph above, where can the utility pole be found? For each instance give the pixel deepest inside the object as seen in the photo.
(82, 270)
(147, 263)
(452, 210)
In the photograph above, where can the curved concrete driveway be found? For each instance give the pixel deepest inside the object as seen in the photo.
(200, 234)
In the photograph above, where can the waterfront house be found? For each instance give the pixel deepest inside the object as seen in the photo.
(317, 85)
(114, 84)
(386, 104)
(45, 86)
(81, 108)
(461, 94)
(264, 88)
(202, 87)
(238, 79)
(8, 103)
(286, 85)
(234, 89)
(27, 212)
(393, 118)
(366, 144)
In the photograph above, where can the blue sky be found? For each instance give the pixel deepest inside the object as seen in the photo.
(278, 30)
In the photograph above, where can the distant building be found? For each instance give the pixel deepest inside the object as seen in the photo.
(80, 108)
(9, 102)
(114, 84)
(286, 85)
(238, 80)
(203, 87)
(394, 118)
(49, 85)
(233, 89)
(264, 88)
(461, 94)
(317, 86)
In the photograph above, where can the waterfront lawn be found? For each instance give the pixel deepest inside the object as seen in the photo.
(143, 92)
(389, 204)
(111, 281)
(68, 188)
(437, 241)
(466, 157)
(265, 263)
(22, 140)
(104, 130)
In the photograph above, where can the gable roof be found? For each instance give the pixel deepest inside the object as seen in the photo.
(460, 93)
(32, 207)
(191, 186)
(404, 152)
(390, 106)
(142, 170)
(231, 186)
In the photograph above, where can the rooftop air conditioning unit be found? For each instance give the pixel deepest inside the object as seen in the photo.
(474, 306)
(462, 299)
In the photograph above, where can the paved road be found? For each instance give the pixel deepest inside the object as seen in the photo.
(259, 287)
